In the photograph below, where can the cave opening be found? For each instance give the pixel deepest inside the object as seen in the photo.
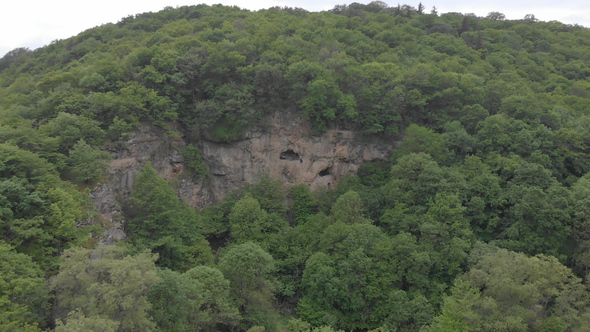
(290, 155)
(326, 171)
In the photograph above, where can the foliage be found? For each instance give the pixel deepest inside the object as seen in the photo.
(86, 163)
(39, 211)
(348, 209)
(303, 203)
(505, 290)
(158, 220)
(193, 158)
(248, 268)
(490, 122)
(78, 322)
(197, 299)
(23, 295)
(419, 139)
(107, 283)
(247, 220)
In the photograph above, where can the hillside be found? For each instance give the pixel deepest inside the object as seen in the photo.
(364, 168)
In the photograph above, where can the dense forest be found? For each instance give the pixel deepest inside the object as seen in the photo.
(480, 220)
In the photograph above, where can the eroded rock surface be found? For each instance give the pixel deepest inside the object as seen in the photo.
(284, 148)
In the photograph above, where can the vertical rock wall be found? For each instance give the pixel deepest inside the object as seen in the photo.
(284, 149)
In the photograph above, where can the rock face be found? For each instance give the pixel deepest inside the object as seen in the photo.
(283, 148)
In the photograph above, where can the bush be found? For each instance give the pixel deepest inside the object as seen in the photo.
(194, 161)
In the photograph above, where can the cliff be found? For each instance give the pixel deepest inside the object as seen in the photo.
(283, 148)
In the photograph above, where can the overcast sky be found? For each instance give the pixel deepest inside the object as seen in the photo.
(35, 23)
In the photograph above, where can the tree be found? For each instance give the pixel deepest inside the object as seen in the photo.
(324, 287)
(420, 139)
(530, 18)
(270, 193)
(78, 322)
(69, 129)
(378, 94)
(172, 300)
(193, 158)
(458, 141)
(23, 296)
(290, 248)
(324, 101)
(247, 221)
(249, 269)
(86, 163)
(420, 9)
(215, 302)
(354, 281)
(581, 224)
(509, 291)
(303, 203)
(485, 199)
(38, 210)
(158, 220)
(538, 216)
(416, 178)
(198, 299)
(12, 56)
(496, 16)
(229, 113)
(108, 283)
(348, 209)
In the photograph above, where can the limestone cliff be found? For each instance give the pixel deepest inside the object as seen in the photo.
(283, 148)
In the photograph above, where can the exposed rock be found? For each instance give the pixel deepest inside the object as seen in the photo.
(284, 149)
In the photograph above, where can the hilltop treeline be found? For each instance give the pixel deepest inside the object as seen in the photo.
(480, 220)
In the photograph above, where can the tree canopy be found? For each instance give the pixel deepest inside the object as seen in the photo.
(479, 220)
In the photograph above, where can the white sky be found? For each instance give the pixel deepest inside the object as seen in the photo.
(35, 23)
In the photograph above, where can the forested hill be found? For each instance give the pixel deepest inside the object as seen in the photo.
(480, 221)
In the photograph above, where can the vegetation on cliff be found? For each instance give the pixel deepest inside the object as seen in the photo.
(480, 221)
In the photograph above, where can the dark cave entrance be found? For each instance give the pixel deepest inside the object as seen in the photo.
(326, 172)
(290, 155)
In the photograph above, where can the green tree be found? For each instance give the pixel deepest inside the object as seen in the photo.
(69, 129)
(581, 224)
(12, 56)
(485, 199)
(78, 322)
(509, 291)
(348, 209)
(106, 282)
(172, 299)
(215, 302)
(247, 221)
(321, 103)
(198, 299)
(20, 132)
(270, 193)
(23, 294)
(416, 178)
(291, 247)
(303, 203)
(249, 269)
(38, 210)
(158, 220)
(420, 139)
(539, 216)
(458, 141)
(378, 94)
(193, 158)
(87, 164)
(229, 113)
(354, 281)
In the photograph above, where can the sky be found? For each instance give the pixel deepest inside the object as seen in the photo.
(35, 23)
